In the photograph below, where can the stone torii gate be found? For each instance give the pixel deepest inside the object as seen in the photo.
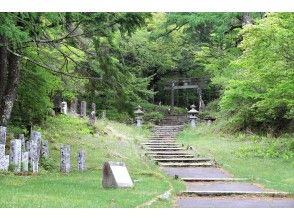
(188, 83)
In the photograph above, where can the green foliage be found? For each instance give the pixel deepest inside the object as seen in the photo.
(48, 164)
(34, 96)
(262, 96)
(272, 149)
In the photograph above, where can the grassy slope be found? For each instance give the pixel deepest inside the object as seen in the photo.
(273, 173)
(107, 141)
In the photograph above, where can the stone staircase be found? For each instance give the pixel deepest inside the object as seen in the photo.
(207, 185)
(174, 120)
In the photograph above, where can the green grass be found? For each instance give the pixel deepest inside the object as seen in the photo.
(106, 141)
(274, 173)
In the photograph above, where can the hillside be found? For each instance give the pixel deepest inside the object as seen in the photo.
(106, 141)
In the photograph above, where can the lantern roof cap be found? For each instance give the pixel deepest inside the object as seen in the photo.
(139, 110)
(193, 110)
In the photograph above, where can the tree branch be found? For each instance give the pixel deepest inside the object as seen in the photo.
(53, 70)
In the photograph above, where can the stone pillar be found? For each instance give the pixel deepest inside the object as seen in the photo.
(63, 108)
(37, 137)
(65, 158)
(45, 149)
(104, 114)
(25, 162)
(4, 159)
(23, 142)
(93, 107)
(74, 106)
(2, 135)
(27, 148)
(92, 118)
(2, 155)
(83, 109)
(81, 160)
(15, 155)
(33, 156)
(193, 121)
(4, 162)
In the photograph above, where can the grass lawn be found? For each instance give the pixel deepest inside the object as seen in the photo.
(103, 142)
(273, 173)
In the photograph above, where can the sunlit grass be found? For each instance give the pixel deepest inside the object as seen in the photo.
(106, 141)
(274, 173)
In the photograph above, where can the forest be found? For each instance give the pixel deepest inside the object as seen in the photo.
(120, 60)
(193, 109)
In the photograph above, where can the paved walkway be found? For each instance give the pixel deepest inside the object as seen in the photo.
(206, 184)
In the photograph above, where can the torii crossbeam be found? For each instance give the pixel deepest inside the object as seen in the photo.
(188, 83)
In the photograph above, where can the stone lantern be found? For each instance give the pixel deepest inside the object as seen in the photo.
(192, 115)
(139, 115)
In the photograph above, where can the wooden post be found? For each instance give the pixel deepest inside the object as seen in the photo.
(173, 95)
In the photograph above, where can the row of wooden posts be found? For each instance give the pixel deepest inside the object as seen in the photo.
(25, 156)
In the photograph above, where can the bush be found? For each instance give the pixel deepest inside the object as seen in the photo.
(271, 149)
(48, 164)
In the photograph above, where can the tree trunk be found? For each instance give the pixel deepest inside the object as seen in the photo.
(246, 19)
(3, 65)
(9, 94)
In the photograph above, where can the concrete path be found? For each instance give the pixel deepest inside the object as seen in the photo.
(206, 184)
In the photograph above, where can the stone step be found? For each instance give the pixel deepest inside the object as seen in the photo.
(184, 160)
(235, 193)
(169, 127)
(173, 156)
(170, 164)
(234, 202)
(159, 143)
(164, 148)
(223, 187)
(167, 153)
(187, 179)
(196, 172)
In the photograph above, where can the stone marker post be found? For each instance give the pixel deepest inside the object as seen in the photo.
(2, 135)
(74, 106)
(65, 158)
(83, 109)
(115, 174)
(23, 142)
(25, 161)
(37, 137)
(93, 105)
(4, 159)
(192, 115)
(81, 160)
(15, 155)
(33, 156)
(45, 149)
(139, 116)
(103, 114)
(63, 108)
(92, 118)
